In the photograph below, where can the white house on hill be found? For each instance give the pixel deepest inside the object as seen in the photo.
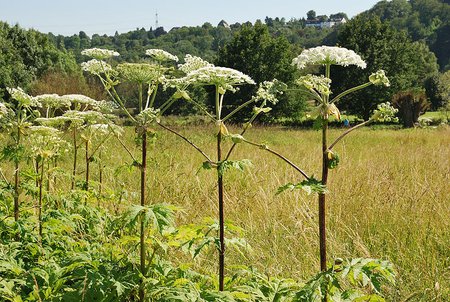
(324, 24)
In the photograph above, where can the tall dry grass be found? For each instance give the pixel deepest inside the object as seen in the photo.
(389, 198)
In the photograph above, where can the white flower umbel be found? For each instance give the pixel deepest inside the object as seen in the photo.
(89, 117)
(269, 91)
(139, 72)
(3, 110)
(224, 78)
(24, 99)
(320, 83)
(192, 63)
(161, 55)
(100, 53)
(80, 100)
(96, 67)
(385, 113)
(379, 78)
(53, 101)
(328, 55)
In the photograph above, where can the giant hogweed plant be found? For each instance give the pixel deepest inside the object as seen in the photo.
(317, 87)
(17, 117)
(201, 73)
(147, 78)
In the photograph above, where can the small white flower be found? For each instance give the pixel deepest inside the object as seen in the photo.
(192, 63)
(222, 77)
(96, 67)
(328, 55)
(100, 53)
(161, 55)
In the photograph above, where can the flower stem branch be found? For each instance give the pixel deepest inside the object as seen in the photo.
(265, 147)
(347, 132)
(188, 141)
(342, 94)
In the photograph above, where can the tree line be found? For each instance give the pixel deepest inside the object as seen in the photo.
(408, 39)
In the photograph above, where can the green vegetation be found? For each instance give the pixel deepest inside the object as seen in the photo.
(96, 253)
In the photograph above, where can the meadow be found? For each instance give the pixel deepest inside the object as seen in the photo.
(389, 199)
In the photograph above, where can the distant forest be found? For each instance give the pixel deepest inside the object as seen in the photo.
(408, 39)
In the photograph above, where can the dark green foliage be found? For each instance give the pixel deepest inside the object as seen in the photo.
(256, 53)
(310, 185)
(27, 54)
(426, 20)
(407, 64)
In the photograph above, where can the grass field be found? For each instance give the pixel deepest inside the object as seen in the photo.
(389, 198)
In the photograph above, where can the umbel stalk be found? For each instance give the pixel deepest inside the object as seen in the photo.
(143, 167)
(221, 214)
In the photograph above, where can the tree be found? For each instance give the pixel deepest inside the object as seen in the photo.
(256, 53)
(311, 15)
(407, 64)
(410, 104)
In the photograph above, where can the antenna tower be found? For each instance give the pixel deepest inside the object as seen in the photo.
(156, 20)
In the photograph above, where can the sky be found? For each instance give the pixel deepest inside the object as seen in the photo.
(105, 17)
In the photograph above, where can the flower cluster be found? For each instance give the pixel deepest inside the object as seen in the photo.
(269, 91)
(24, 99)
(46, 141)
(385, 113)
(99, 53)
(192, 63)
(53, 101)
(3, 110)
(89, 117)
(328, 55)
(222, 77)
(139, 72)
(161, 55)
(79, 100)
(148, 116)
(96, 67)
(320, 84)
(379, 78)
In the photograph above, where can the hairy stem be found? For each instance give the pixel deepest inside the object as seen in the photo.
(16, 180)
(142, 227)
(87, 159)
(39, 208)
(347, 132)
(75, 153)
(322, 229)
(221, 215)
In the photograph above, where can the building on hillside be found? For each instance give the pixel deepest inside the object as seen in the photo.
(324, 24)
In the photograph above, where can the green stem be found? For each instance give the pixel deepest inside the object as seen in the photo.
(237, 109)
(87, 159)
(41, 180)
(221, 215)
(16, 178)
(347, 132)
(342, 94)
(152, 101)
(75, 153)
(218, 108)
(247, 125)
(140, 96)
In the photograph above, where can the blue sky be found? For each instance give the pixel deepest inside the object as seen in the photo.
(99, 16)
